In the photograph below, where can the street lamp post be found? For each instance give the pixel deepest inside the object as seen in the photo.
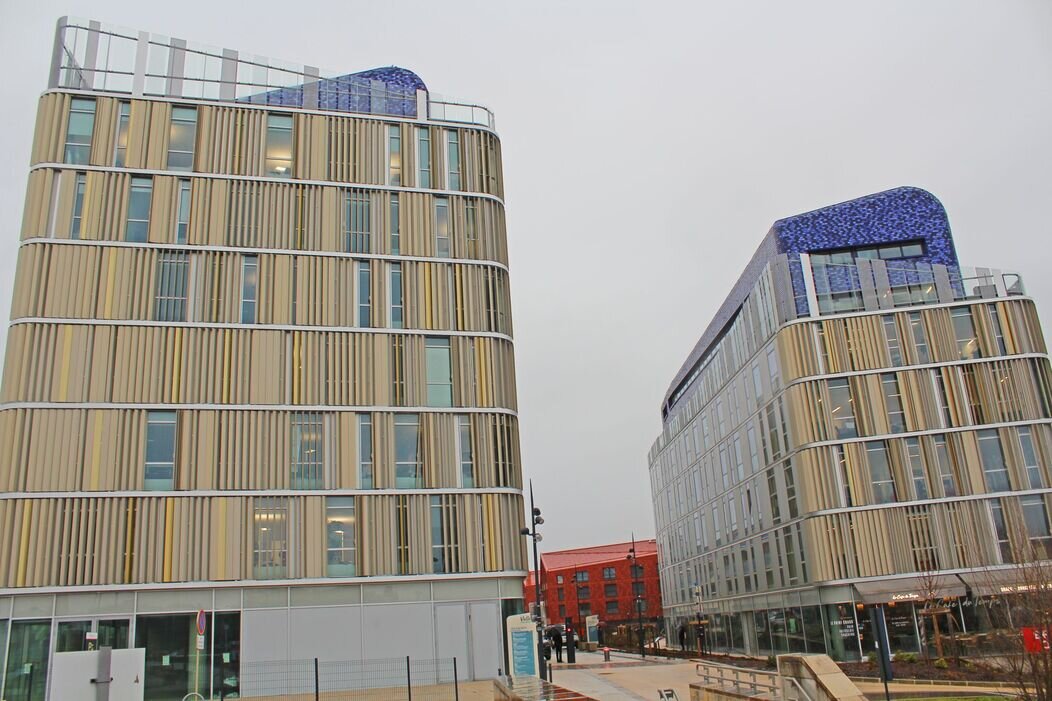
(531, 532)
(638, 596)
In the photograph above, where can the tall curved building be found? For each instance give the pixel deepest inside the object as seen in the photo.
(863, 430)
(259, 365)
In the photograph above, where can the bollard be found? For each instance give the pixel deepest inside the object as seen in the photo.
(606, 654)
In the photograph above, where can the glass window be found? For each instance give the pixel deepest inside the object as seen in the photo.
(339, 527)
(365, 294)
(940, 394)
(396, 226)
(471, 225)
(611, 608)
(891, 335)
(947, 474)
(560, 594)
(78, 204)
(558, 579)
(357, 233)
(270, 543)
(397, 309)
(581, 576)
(442, 227)
(1004, 543)
(609, 573)
(995, 471)
(453, 159)
(880, 472)
(159, 472)
(27, 660)
(893, 402)
(182, 212)
(170, 301)
(394, 154)
(467, 462)
(790, 490)
(120, 150)
(181, 138)
(584, 593)
(365, 451)
(278, 156)
(920, 340)
(842, 408)
(638, 588)
(1033, 467)
(843, 474)
(916, 463)
(249, 285)
(444, 534)
(562, 611)
(439, 372)
(1035, 514)
(637, 572)
(78, 131)
(423, 157)
(407, 452)
(139, 210)
(306, 471)
(964, 332)
(995, 327)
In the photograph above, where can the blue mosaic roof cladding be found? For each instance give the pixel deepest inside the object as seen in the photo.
(901, 214)
(353, 93)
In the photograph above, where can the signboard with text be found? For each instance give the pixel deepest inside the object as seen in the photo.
(592, 628)
(522, 645)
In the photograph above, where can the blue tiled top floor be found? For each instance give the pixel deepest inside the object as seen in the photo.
(901, 214)
(354, 93)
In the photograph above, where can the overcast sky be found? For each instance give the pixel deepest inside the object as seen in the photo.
(648, 147)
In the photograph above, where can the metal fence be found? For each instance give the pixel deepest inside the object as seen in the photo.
(396, 679)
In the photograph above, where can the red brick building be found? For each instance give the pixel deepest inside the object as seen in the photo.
(598, 580)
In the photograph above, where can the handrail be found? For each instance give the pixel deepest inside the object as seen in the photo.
(750, 680)
(799, 688)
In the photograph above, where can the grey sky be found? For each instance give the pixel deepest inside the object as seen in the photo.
(647, 149)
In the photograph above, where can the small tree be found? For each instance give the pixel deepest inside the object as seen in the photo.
(935, 606)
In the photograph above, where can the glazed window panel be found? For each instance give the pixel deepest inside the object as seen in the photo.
(394, 154)
(891, 336)
(423, 157)
(893, 402)
(439, 372)
(365, 294)
(842, 408)
(471, 224)
(181, 137)
(270, 541)
(182, 212)
(467, 461)
(159, 470)
(916, 464)
(453, 159)
(397, 302)
(79, 186)
(920, 338)
(341, 557)
(249, 288)
(1035, 515)
(120, 148)
(173, 269)
(442, 227)
(1000, 528)
(610, 573)
(365, 451)
(964, 333)
(357, 234)
(944, 460)
(880, 472)
(395, 225)
(995, 327)
(27, 660)
(307, 458)
(444, 535)
(139, 198)
(277, 160)
(408, 472)
(78, 131)
(995, 472)
(1032, 465)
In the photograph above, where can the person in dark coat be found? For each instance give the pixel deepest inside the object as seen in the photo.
(682, 637)
(557, 643)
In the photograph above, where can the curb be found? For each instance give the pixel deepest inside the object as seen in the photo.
(938, 682)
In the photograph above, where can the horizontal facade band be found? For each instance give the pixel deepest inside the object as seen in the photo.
(40, 239)
(277, 108)
(257, 493)
(255, 327)
(295, 408)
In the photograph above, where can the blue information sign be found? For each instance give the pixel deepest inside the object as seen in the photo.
(523, 653)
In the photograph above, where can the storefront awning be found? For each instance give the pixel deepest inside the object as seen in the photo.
(1006, 581)
(883, 591)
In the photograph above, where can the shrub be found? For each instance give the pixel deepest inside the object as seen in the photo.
(908, 657)
(941, 664)
(771, 662)
(872, 657)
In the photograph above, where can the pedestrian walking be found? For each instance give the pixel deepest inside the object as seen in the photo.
(682, 638)
(557, 643)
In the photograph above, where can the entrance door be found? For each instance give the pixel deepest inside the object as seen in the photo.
(486, 647)
(451, 638)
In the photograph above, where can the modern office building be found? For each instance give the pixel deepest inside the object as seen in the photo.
(259, 365)
(863, 423)
(600, 580)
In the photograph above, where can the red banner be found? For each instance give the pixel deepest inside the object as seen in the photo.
(1035, 640)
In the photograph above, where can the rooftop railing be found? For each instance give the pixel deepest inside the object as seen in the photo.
(90, 55)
